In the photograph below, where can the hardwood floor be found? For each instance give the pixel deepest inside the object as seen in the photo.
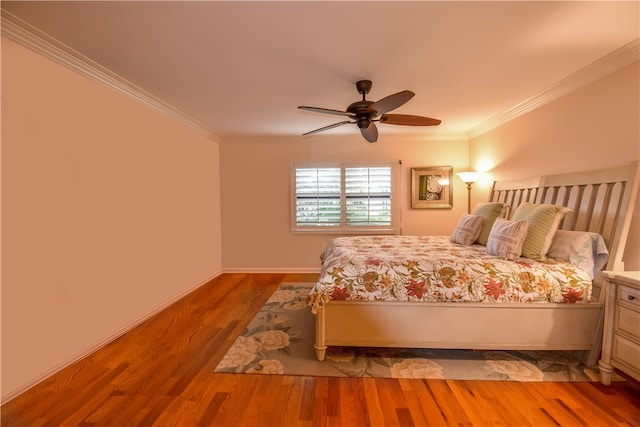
(161, 374)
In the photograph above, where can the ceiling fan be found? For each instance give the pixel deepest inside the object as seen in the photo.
(364, 113)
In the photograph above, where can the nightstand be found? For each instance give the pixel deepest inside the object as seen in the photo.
(621, 338)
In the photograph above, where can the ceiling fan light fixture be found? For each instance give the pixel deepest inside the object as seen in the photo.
(363, 122)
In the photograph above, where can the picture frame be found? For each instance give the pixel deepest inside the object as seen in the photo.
(432, 187)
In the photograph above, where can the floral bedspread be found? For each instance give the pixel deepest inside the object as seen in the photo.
(431, 268)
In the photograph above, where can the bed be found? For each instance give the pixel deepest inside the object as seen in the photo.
(429, 292)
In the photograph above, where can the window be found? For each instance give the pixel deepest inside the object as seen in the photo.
(343, 197)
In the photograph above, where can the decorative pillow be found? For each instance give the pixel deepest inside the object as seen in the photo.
(586, 250)
(489, 212)
(467, 230)
(506, 238)
(544, 220)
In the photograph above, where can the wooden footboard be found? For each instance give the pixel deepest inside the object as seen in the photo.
(481, 326)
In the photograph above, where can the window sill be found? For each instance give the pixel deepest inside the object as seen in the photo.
(349, 232)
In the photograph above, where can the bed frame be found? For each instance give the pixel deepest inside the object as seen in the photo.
(602, 202)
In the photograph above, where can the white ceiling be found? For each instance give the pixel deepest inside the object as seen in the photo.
(241, 68)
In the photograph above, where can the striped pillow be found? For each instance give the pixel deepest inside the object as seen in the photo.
(489, 212)
(506, 238)
(544, 220)
(467, 230)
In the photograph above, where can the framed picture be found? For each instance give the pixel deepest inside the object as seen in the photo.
(432, 187)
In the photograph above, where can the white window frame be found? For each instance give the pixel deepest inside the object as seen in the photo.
(342, 227)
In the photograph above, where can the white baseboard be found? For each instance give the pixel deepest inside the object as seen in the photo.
(106, 340)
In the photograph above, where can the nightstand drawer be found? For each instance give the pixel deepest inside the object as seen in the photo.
(628, 321)
(627, 352)
(629, 296)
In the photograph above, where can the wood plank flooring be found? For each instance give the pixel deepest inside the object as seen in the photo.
(161, 374)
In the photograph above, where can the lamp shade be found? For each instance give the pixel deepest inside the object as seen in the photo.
(468, 177)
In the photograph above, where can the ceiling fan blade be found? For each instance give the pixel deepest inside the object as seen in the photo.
(391, 102)
(370, 133)
(326, 111)
(408, 120)
(335, 125)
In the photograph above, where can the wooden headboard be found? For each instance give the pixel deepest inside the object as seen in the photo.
(602, 201)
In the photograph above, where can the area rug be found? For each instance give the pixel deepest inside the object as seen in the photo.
(279, 340)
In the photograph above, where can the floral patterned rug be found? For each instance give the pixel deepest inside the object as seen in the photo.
(279, 340)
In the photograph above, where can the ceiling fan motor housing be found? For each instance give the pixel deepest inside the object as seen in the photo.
(361, 110)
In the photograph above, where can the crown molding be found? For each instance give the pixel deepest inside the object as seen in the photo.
(17, 30)
(614, 61)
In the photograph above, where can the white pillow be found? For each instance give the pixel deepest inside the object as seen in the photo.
(467, 230)
(583, 249)
(506, 238)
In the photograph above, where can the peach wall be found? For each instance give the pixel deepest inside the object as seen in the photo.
(255, 193)
(109, 211)
(597, 126)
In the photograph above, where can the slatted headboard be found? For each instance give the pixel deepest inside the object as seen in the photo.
(602, 201)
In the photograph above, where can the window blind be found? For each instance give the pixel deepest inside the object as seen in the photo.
(368, 196)
(318, 196)
(342, 197)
